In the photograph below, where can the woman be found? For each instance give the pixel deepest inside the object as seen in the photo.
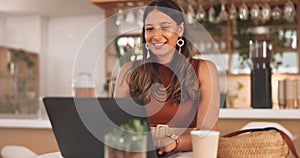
(180, 91)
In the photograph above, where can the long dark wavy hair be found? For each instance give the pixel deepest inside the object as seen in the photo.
(184, 83)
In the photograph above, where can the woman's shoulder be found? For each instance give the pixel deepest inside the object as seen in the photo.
(203, 64)
(206, 70)
(127, 66)
(132, 64)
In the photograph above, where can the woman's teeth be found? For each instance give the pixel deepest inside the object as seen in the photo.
(158, 44)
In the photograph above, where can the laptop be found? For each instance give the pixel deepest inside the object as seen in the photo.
(79, 124)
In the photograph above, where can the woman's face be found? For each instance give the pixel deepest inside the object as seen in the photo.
(161, 34)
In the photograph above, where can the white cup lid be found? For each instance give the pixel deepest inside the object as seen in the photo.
(203, 133)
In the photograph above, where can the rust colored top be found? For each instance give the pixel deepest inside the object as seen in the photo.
(164, 113)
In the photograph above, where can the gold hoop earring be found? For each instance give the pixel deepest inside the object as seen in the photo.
(180, 43)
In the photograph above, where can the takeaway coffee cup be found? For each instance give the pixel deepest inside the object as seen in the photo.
(205, 143)
(83, 85)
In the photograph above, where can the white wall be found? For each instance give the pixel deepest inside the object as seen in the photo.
(22, 32)
(57, 40)
(2, 24)
(43, 57)
(64, 39)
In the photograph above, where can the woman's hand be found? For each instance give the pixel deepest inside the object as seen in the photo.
(165, 144)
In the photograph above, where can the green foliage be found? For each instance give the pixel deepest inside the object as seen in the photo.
(129, 136)
(8, 106)
(244, 24)
(21, 54)
(243, 36)
(215, 30)
(21, 84)
(117, 48)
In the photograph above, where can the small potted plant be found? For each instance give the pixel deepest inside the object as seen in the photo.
(128, 141)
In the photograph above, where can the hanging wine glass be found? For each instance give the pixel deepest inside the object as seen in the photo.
(243, 12)
(255, 13)
(211, 14)
(139, 17)
(223, 16)
(190, 14)
(200, 13)
(232, 12)
(130, 16)
(265, 12)
(120, 14)
(289, 11)
(120, 17)
(276, 13)
(140, 13)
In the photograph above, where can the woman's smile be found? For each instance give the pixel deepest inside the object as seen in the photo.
(159, 45)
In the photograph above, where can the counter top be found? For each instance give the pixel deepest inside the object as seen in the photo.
(188, 154)
(224, 114)
(259, 114)
(25, 123)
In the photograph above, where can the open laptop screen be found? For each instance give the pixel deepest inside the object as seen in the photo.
(79, 124)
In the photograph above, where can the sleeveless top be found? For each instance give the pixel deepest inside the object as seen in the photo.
(163, 113)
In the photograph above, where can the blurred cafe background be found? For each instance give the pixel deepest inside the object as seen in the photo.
(253, 43)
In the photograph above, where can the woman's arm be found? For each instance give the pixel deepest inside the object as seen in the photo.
(122, 87)
(209, 103)
(208, 108)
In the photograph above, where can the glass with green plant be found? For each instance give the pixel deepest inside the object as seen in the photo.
(128, 141)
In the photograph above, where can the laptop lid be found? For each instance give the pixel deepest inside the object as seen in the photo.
(79, 124)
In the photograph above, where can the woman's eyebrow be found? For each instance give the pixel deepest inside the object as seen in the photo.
(161, 23)
(149, 25)
(165, 23)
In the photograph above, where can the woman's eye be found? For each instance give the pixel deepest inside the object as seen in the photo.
(149, 28)
(165, 27)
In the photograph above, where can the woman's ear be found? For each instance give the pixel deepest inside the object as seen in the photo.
(180, 29)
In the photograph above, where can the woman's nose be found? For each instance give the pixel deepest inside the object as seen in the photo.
(157, 33)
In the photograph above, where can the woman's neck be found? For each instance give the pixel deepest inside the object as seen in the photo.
(165, 59)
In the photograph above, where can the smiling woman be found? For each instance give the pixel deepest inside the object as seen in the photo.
(170, 80)
(161, 34)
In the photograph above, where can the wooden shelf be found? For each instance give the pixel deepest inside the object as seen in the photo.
(19, 91)
(279, 49)
(226, 29)
(282, 26)
(110, 6)
(287, 49)
(19, 76)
